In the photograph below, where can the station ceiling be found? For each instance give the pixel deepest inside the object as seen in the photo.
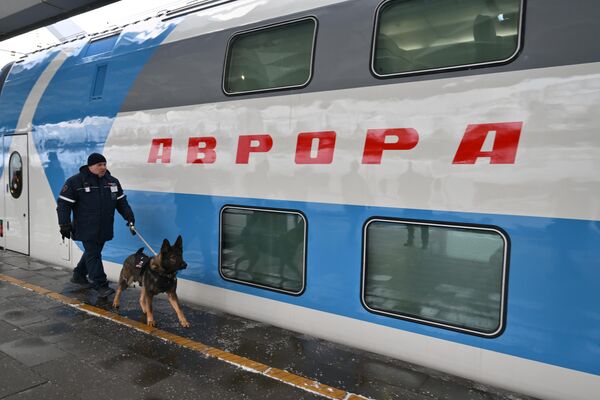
(20, 16)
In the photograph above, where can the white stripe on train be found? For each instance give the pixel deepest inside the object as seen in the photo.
(553, 175)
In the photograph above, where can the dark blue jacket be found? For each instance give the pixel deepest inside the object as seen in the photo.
(93, 201)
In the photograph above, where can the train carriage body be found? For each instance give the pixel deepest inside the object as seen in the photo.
(411, 177)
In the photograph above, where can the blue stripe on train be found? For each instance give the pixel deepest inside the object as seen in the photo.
(69, 122)
(553, 311)
(20, 81)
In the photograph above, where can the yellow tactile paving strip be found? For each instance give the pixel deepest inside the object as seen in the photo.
(241, 362)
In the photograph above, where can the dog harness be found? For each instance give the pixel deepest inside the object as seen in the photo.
(141, 260)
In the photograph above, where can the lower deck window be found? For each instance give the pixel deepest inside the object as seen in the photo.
(452, 276)
(263, 248)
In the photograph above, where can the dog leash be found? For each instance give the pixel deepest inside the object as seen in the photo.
(135, 231)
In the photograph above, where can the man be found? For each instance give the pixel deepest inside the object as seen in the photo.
(93, 195)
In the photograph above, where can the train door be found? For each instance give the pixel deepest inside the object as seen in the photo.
(15, 224)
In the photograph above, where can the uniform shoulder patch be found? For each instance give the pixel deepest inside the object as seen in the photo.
(64, 188)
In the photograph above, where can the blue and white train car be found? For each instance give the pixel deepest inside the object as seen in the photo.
(417, 178)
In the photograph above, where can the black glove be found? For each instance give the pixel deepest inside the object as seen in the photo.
(130, 224)
(65, 231)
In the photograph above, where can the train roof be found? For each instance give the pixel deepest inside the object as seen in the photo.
(198, 18)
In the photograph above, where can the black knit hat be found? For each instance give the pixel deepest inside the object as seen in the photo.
(95, 158)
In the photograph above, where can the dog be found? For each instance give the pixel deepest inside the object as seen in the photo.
(155, 275)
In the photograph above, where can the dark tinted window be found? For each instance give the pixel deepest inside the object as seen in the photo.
(264, 248)
(4, 74)
(443, 274)
(270, 58)
(422, 35)
(99, 79)
(15, 173)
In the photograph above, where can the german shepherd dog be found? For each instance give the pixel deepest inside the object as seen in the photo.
(155, 275)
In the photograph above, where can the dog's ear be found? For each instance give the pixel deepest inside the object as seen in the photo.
(178, 242)
(165, 246)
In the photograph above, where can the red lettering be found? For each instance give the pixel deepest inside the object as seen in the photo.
(375, 143)
(207, 150)
(504, 150)
(156, 154)
(326, 145)
(252, 144)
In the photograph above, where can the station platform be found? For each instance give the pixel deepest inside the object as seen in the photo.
(58, 341)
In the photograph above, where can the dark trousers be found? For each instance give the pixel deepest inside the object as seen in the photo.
(91, 263)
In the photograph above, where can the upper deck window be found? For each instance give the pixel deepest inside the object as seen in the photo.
(275, 57)
(429, 35)
(101, 45)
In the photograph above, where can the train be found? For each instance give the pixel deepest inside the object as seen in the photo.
(415, 178)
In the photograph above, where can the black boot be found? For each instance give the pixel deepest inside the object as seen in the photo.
(80, 280)
(105, 291)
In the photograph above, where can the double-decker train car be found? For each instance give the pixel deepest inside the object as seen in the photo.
(417, 178)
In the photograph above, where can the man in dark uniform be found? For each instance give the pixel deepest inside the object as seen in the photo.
(93, 195)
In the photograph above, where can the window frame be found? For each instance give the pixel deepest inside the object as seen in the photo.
(11, 190)
(449, 68)
(104, 67)
(99, 37)
(265, 27)
(263, 209)
(464, 226)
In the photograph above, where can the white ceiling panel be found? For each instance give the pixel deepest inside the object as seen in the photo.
(20, 16)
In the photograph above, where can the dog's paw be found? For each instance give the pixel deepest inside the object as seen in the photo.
(116, 305)
(184, 323)
(151, 323)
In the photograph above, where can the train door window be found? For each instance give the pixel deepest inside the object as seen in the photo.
(264, 248)
(274, 57)
(15, 173)
(431, 35)
(446, 275)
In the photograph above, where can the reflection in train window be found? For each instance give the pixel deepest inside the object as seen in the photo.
(270, 58)
(446, 275)
(424, 35)
(263, 248)
(15, 173)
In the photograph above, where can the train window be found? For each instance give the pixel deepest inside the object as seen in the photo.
(264, 248)
(98, 85)
(15, 173)
(430, 35)
(101, 45)
(446, 275)
(275, 57)
(4, 74)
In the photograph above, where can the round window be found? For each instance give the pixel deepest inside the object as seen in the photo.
(15, 172)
